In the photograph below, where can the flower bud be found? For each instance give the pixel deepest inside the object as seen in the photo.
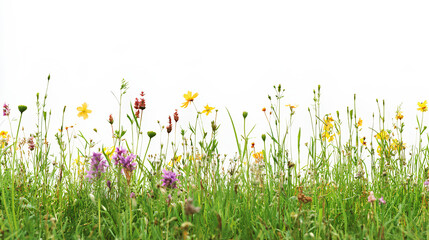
(245, 115)
(151, 134)
(22, 108)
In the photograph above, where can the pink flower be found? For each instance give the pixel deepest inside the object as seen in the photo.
(381, 200)
(6, 110)
(371, 197)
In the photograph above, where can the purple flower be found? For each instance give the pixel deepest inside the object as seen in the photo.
(120, 153)
(169, 179)
(6, 110)
(109, 184)
(127, 162)
(132, 195)
(381, 200)
(98, 166)
(426, 183)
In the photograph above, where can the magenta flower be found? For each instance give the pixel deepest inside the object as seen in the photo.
(6, 110)
(381, 200)
(120, 153)
(169, 179)
(98, 166)
(132, 195)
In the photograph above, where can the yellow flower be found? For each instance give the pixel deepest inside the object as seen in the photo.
(109, 151)
(382, 135)
(175, 160)
(189, 98)
(291, 106)
(4, 138)
(207, 110)
(422, 106)
(259, 156)
(360, 122)
(362, 140)
(399, 115)
(83, 111)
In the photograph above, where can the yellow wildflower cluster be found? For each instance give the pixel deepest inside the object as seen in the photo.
(328, 127)
(4, 139)
(259, 157)
(422, 106)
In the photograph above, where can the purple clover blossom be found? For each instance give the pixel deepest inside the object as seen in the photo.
(120, 153)
(381, 200)
(6, 110)
(127, 163)
(98, 166)
(169, 179)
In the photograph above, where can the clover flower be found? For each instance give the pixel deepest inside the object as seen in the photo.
(170, 126)
(176, 116)
(98, 166)
(169, 179)
(371, 197)
(6, 109)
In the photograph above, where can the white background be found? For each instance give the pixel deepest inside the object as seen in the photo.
(230, 52)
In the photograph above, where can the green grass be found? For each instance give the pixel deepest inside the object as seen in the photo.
(322, 194)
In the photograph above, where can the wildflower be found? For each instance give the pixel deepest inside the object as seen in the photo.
(98, 166)
(175, 160)
(362, 141)
(399, 115)
(4, 138)
(207, 110)
(190, 208)
(245, 115)
(6, 109)
(132, 195)
(259, 157)
(382, 135)
(189, 98)
(31, 144)
(83, 111)
(360, 122)
(291, 106)
(120, 152)
(110, 119)
(169, 179)
(109, 151)
(264, 109)
(176, 116)
(381, 200)
(422, 106)
(170, 126)
(371, 197)
(109, 184)
(426, 183)
(140, 104)
(128, 166)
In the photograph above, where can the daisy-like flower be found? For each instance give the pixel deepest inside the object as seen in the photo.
(83, 111)
(207, 110)
(422, 106)
(291, 106)
(371, 197)
(189, 98)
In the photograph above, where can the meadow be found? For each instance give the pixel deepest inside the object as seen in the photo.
(338, 184)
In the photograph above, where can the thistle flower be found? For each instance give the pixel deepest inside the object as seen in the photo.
(169, 179)
(371, 197)
(6, 109)
(98, 166)
(381, 200)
